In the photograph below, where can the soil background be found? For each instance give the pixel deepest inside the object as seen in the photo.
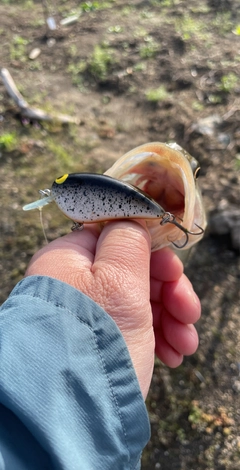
(131, 73)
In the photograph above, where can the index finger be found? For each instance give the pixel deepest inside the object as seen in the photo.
(165, 266)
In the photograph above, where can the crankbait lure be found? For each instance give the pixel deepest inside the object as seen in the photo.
(88, 198)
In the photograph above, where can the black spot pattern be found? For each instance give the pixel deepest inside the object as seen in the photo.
(86, 197)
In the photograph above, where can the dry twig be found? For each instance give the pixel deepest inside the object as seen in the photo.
(25, 109)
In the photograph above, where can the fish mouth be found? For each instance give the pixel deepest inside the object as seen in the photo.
(166, 188)
(164, 183)
(164, 172)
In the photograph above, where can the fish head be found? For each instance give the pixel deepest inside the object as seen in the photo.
(167, 173)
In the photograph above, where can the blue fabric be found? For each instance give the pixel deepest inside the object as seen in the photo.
(69, 396)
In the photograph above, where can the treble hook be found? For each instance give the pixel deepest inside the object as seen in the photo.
(171, 219)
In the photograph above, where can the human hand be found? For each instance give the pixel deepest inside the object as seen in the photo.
(151, 302)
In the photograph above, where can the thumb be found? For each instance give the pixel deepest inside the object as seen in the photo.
(124, 248)
(121, 266)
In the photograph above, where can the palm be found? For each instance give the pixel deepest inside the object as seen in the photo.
(113, 269)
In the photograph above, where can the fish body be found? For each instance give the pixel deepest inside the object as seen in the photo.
(168, 174)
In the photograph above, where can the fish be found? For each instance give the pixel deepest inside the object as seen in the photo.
(168, 174)
(156, 182)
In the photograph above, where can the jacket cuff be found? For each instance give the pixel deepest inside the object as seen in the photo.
(71, 339)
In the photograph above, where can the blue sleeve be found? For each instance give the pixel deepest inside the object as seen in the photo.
(69, 396)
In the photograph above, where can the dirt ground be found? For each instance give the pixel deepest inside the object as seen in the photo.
(131, 73)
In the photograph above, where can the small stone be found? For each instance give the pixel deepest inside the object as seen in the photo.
(34, 53)
(51, 42)
(51, 23)
(236, 386)
(69, 20)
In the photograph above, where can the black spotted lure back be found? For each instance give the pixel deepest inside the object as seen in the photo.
(88, 198)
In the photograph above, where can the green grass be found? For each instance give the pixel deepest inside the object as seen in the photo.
(98, 65)
(223, 23)
(115, 29)
(188, 27)
(100, 61)
(228, 82)
(18, 49)
(8, 141)
(155, 95)
(76, 69)
(61, 153)
(237, 162)
(24, 3)
(93, 6)
(165, 3)
(149, 49)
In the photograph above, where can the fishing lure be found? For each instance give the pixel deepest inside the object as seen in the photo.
(88, 198)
